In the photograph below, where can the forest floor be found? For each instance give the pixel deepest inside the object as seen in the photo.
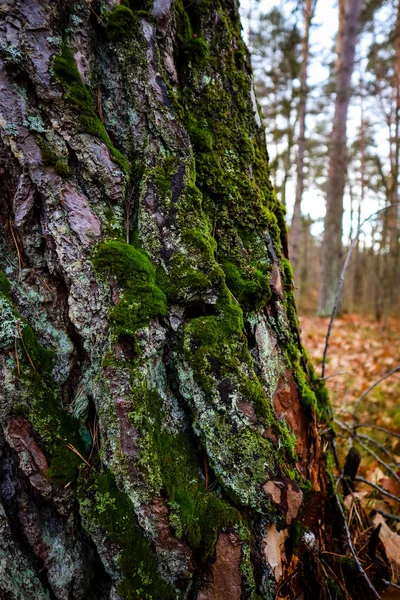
(360, 353)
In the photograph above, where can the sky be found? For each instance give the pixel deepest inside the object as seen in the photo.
(322, 39)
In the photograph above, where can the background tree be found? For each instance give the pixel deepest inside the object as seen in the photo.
(276, 51)
(331, 257)
(295, 230)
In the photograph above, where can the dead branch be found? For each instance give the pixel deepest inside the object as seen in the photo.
(377, 428)
(371, 387)
(357, 436)
(378, 459)
(351, 547)
(377, 487)
(390, 583)
(387, 515)
(333, 375)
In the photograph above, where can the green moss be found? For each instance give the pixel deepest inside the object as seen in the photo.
(50, 157)
(42, 358)
(103, 503)
(141, 299)
(120, 23)
(55, 427)
(251, 287)
(195, 50)
(198, 513)
(80, 100)
(162, 176)
(63, 465)
(200, 136)
(5, 285)
(39, 397)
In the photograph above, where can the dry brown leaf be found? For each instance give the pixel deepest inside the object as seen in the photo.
(391, 543)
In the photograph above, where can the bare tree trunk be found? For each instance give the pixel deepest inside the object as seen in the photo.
(331, 259)
(358, 280)
(295, 231)
(159, 419)
(393, 260)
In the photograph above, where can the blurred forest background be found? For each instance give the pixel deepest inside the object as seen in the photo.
(328, 82)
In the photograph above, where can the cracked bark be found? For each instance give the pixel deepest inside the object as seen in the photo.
(159, 418)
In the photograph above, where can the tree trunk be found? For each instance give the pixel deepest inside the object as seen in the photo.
(394, 137)
(158, 417)
(295, 230)
(331, 258)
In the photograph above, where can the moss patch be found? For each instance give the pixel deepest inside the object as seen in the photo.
(197, 514)
(120, 23)
(60, 163)
(141, 298)
(103, 503)
(79, 98)
(250, 287)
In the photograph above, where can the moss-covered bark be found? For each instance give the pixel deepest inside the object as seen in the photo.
(159, 415)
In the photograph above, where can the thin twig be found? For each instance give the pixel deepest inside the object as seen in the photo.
(17, 357)
(377, 487)
(20, 261)
(367, 438)
(387, 515)
(42, 280)
(340, 285)
(333, 375)
(378, 459)
(351, 547)
(371, 387)
(75, 451)
(377, 428)
(380, 446)
(23, 343)
(390, 583)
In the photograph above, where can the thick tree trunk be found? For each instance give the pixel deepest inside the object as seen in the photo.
(295, 230)
(331, 258)
(158, 417)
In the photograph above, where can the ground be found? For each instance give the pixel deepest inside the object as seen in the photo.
(360, 352)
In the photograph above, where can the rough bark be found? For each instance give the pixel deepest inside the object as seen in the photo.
(158, 415)
(295, 230)
(331, 251)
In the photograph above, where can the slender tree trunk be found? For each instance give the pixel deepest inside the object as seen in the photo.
(391, 276)
(159, 420)
(357, 280)
(331, 259)
(295, 231)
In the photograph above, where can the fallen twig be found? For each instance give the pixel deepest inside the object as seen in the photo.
(371, 387)
(377, 487)
(357, 436)
(75, 451)
(333, 375)
(390, 583)
(23, 343)
(351, 547)
(20, 261)
(378, 459)
(387, 515)
(377, 428)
